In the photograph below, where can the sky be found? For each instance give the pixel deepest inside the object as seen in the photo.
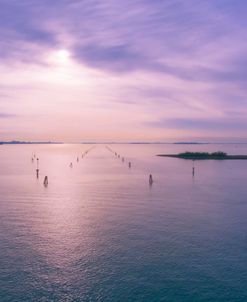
(132, 70)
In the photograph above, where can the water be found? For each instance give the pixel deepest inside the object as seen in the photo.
(99, 232)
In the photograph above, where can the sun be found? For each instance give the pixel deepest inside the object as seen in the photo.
(59, 57)
(62, 55)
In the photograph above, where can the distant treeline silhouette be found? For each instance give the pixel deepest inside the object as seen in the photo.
(203, 155)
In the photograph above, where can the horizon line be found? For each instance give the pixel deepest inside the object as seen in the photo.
(17, 142)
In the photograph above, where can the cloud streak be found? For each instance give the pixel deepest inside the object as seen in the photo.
(202, 124)
(7, 115)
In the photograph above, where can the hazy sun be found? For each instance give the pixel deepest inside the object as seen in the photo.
(59, 57)
(63, 55)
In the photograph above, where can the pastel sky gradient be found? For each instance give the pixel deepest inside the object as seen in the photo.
(153, 70)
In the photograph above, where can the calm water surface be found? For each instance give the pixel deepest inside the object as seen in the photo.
(99, 232)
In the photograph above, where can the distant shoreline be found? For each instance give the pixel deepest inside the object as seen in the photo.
(119, 143)
(205, 156)
(28, 143)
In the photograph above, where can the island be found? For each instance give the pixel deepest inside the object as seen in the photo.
(205, 155)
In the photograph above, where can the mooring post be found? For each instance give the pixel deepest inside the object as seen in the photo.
(37, 169)
(46, 181)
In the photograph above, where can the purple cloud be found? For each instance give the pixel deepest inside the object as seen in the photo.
(133, 35)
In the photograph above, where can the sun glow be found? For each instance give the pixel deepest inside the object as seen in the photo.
(59, 57)
(63, 55)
